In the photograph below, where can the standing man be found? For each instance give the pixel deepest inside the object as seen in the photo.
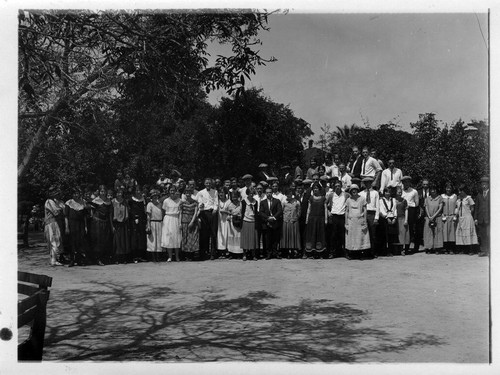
(247, 179)
(288, 177)
(336, 204)
(344, 177)
(208, 204)
(303, 198)
(271, 215)
(313, 168)
(423, 193)
(482, 216)
(372, 212)
(391, 178)
(370, 167)
(259, 198)
(354, 166)
(412, 199)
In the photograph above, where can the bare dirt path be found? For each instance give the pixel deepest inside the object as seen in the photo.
(420, 308)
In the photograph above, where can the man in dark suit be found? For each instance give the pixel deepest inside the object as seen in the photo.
(303, 197)
(482, 216)
(423, 193)
(355, 163)
(271, 215)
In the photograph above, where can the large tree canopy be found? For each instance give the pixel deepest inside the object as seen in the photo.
(67, 59)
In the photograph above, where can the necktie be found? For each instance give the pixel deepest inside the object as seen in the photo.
(364, 164)
(368, 196)
(391, 175)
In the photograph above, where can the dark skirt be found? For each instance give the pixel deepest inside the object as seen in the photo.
(101, 236)
(77, 235)
(121, 243)
(249, 236)
(315, 234)
(138, 237)
(291, 236)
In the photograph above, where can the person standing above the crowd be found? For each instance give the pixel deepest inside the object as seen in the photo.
(234, 227)
(355, 162)
(482, 216)
(138, 223)
(222, 222)
(344, 177)
(287, 176)
(466, 235)
(171, 236)
(121, 239)
(449, 219)
(163, 179)
(208, 205)
(433, 229)
(264, 172)
(247, 179)
(336, 204)
(313, 168)
(249, 235)
(102, 222)
(370, 167)
(372, 200)
(119, 181)
(290, 239)
(297, 170)
(412, 200)
(174, 177)
(316, 220)
(190, 243)
(76, 227)
(271, 217)
(330, 168)
(54, 214)
(389, 221)
(402, 214)
(154, 223)
(391, 177)
(357, 237)
(129, 183)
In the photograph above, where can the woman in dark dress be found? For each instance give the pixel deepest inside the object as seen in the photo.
(102, 219)
(389, 221)
(316, 220)
(75, 213)
(121, 240)
(138, 223)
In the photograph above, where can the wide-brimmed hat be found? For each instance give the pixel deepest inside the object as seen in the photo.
(367, 179)
(272, 179)
(247, 176)
(406, 178)
(485, 179)
(262, 165)
(307, 181)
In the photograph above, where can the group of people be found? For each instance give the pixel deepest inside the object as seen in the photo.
(358, 209)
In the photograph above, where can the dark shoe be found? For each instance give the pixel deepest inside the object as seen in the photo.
(100, 263)
(71, 264)
(482, 254)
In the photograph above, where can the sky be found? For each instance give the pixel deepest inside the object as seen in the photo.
(375, 68)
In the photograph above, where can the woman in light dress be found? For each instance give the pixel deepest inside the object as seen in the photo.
(154, 224)
(222, 222)
(54, 214)
(433, 229)
(171, 235)
(234, 225)
(357, 238)
(466, 230)
(449, 219)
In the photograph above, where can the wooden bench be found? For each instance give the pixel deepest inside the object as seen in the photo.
(32, 311)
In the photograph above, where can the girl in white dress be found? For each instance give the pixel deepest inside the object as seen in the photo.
(171, 235)
(155, 215)
(222, 222)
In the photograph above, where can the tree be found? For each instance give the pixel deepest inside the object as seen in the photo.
(68, 58)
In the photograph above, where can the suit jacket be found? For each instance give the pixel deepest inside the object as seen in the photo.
(304, 205)
(482, 209)
(355, 167)
(274, 210)
(421, 201)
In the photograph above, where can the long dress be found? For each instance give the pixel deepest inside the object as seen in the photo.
(433, 237)
(291, 232)
(190, 236)
(54, 209)
(315, 230)
(233, 233)
(404, 233)
(121, 239)
(101, 235)
(76, 214)
(222, 225)
(249, 235)
(154, 238)
(138, 219)
(466, 230)
(171, 236)
(356, 238)
(449, 225)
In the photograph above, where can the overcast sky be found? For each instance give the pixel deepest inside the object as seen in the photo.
(342, 68)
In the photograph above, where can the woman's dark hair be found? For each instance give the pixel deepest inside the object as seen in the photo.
(463, 187)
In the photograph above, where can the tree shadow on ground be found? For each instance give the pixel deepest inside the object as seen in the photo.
(114, 324)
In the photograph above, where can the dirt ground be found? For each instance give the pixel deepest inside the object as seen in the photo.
(419, 308)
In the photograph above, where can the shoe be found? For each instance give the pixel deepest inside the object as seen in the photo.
(169, 259)
(482, 254)
(100, 263)
(212, 258)
(403, 253)
(244, 258)
(56, 263)
(255, 258)
(304, 256)
(71, 264)
(348, 257)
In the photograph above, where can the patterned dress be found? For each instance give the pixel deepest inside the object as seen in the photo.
(466, 230)
(171, 235)
(234, 234)
(154, 238)
(357, 236)
(449, 225)
(433, 237)
(190, 237)
(54, 210)
(291, 232)
(315, 230)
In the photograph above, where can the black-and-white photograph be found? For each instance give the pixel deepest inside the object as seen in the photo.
(250, 186)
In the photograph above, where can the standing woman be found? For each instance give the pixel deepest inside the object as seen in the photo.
(402, 213)
(76, 227)
(121, 241)
(54, 213)
(154, 218)
(138, 222)
(357, 237)
(190, 228)
(249, 235)
(234, 225)
(433, 229)
(171, 230)
(449, 219)
(290, 240)
(316, 220)
(102, 222)
(466, 230)
(388, 215)
(222, 222)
